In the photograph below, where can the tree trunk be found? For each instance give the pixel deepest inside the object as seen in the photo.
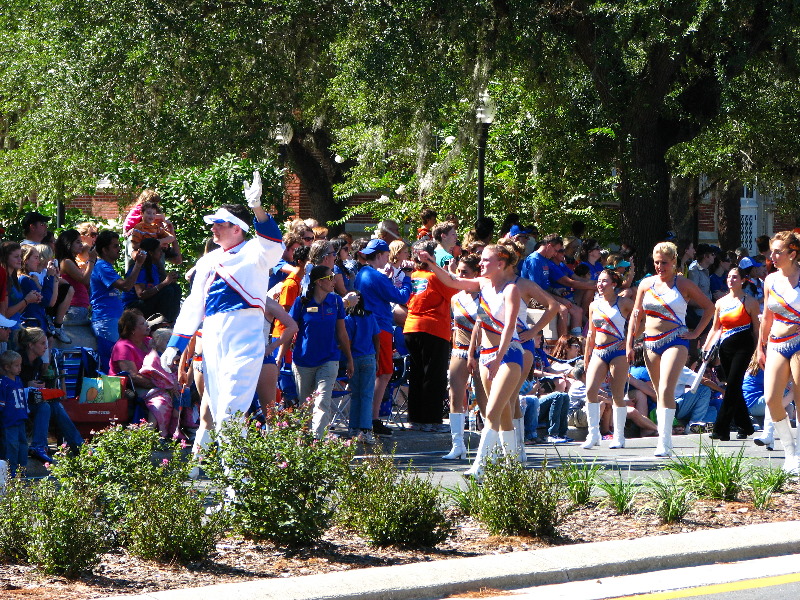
(308, 155)
(683, 201)
(729, 204)
(644, 192)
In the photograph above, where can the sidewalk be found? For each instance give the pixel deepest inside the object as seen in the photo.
(514, 570)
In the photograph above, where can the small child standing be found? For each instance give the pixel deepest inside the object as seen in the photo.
(362, 329)
(13, 413)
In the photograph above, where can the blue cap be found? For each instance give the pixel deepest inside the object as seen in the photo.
(376, 245)
(519, 230)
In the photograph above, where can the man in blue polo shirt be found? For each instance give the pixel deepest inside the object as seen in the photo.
(379, 293)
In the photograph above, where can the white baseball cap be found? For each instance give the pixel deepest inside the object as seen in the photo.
(223, 215)
(5, 322)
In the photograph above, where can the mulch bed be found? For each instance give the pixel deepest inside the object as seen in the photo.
(237, 560)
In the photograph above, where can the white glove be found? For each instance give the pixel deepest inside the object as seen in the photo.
(168, 358)
(252, 192)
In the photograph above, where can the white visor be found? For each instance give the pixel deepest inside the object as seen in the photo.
(223, 215)
(4, 322)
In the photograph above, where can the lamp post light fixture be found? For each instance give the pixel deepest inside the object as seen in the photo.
(484, 116)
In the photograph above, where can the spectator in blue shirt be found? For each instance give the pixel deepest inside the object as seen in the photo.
(106, 291)
(379, 293)
(362, 329)
(319, 315)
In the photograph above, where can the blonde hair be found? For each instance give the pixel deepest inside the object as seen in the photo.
(29, 336)
(45, 252)
(790, 240)
(27, 250)
(85, 228)
(395, 248)
(504, 253)
(666, 249)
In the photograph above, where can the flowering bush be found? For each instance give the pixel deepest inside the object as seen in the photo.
(118, 464)
(278, 479)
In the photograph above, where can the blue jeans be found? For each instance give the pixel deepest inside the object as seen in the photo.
(14, 447)
(556, 408)
(41, 414)
(531, 417)
(107, 334)
(694, 407)
(362, 386)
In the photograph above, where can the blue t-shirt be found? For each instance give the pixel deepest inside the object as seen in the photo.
(594, 269)
(348, 280)
(360, 331)
(753, 388)
(37, 310)
(316, 341)
(153, 279)
(106, 300)
(639, 373)
(718, 283)
(13, 402)
(379, 292)
(277, 274)
(537, 268)
(557, 271)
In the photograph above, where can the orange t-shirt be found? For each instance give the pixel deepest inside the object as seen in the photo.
(289, 293)
(429, 306)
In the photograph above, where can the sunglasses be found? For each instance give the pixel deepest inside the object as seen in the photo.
(326, 277)
(308, 239)
(574, 345)
(92, 234)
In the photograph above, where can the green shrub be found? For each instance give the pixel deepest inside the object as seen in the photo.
(579, 479)
(621, 492)
(67, 533)
(16, 508)
(116, 465)
(392, 507)
(518, 501)
(717, 475)
(764, 483)
(465, 499)
(278, 483)
(672, 499)
(169, 522)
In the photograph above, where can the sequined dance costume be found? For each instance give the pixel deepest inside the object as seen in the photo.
(465, 312)
(492, 303)
(786, 308)
(671, 307)
(608, 319)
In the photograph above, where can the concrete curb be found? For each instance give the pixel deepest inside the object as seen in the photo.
(560, 564)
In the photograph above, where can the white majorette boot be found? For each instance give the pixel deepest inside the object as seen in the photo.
(665, 418)
(519, 432)
(620, 416)
(767, 437)
(459, 450)
(593, 416)
(508, 441)
(784, 430)
(486, 448)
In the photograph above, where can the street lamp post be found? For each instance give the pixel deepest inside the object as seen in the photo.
(484, 116)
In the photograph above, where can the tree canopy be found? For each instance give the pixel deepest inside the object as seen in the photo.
(599, 103)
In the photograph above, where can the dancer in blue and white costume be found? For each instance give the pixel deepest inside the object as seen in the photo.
(228, 295)
(605, 352)
(779, 338)
(661, 302)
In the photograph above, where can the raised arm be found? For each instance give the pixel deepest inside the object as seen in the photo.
(449, 279)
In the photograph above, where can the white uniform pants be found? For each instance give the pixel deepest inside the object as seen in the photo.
(233, 351)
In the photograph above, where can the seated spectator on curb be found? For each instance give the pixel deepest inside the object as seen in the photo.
(32, 346)
(130, 350)
(77, 263)
(154, 291)
(11, 260)
(106, 292)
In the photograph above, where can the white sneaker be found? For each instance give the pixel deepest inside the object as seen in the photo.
(366, 437)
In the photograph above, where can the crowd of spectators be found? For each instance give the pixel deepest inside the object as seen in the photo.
(346, 309)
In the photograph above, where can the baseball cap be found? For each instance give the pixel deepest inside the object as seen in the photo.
(375, 245)
(32, 217)
(624, 264)
(223, 215)
(6, 322)
(519, 230)
(748, 262)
